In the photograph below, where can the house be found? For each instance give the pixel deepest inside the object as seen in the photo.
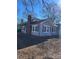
(45, 27)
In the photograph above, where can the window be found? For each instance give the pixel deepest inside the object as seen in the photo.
(48, 29)
(44, 29)
(53, 29)
(35, 28)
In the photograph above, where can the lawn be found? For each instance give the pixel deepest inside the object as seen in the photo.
(50, 49)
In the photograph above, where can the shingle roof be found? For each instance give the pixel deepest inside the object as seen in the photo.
(37, 22)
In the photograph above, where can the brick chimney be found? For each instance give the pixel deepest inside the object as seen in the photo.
(29, 25)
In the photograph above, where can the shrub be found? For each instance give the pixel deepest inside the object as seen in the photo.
(18, 30)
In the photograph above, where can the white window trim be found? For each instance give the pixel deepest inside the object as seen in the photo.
(47, 28)
(34, 26)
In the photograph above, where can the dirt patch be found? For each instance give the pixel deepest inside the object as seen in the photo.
(50, 49)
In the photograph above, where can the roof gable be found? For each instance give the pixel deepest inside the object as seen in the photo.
(49, 22)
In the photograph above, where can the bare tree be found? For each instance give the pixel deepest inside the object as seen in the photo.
(48, 9)
(26, 10)
(51, 11)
